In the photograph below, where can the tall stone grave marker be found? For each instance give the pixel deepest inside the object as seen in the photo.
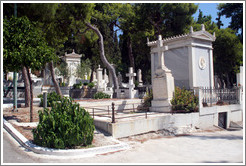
(100, 81)
(73, 60)
(162, 81)
(131, 84)
(240, 77)
(139, 77)
(189, 57)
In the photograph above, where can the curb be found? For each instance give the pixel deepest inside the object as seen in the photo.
(61, 152)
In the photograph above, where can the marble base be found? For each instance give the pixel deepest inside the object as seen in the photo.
(160, 105)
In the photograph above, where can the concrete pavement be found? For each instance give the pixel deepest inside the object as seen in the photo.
(201, 147)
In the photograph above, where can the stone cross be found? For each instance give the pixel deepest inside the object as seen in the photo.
(139, 76)
(160, 51)
(131, 84)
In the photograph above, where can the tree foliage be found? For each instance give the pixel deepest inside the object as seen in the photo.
(24, 45)
(235, 12)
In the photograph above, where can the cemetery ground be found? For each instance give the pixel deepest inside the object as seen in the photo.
(203, 146)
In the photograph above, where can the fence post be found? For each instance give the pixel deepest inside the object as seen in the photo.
(113, 118)
(108, 110)
(211, 97)
(93, 112)
(45, 99)
(133, 108)
(146, 113)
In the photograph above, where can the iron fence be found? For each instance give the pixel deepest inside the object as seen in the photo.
(212, 96)
(119, 113)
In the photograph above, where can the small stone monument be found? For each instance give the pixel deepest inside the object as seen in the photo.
(120, 79)
(100, 86)
(163, 81)
(131, 84)
(105, 77)
(139, 77)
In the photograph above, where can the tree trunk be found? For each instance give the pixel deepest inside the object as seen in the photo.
(102, 55)
(27, 86)
(51, 67)
(92, 75)
(131, 57)
(31, 92)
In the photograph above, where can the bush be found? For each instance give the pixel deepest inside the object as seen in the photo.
(148, 98)
(62, 84)
(91, 85)
(66, 125)
(77, 86)
(51, 97)
(184, 100)
(101, 95)
(85, 83)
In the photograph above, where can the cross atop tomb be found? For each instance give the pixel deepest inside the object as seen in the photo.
(131, 75)
(160, 50)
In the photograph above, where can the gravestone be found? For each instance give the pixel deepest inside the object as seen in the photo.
(120, 79)
(72, 60)
(162, 79)
(131, 84)
(139, 77)
(105, 76)
(240, 77)
(100, 82)
(189, 57)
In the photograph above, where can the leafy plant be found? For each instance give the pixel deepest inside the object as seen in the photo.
(91, 85)
(62, 84)
(77, 86)
(101, 95)
(148, 98)
(51, 97)
(184, 100)
(66, 125)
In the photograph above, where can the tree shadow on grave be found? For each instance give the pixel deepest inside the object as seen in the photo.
(223, 161)
(121, 107)
(229, 137)
(11, 117)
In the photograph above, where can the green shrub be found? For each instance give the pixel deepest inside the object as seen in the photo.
(51, 97)
(91, 85)
(148, 98)
(66, 125)
(85, 83)
(77, 86)
(184, 100)
(101, 95)
(62, 84)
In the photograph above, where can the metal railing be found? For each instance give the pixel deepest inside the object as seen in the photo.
(116, 114)
(212, 96)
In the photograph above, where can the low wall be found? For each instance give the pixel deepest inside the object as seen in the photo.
(82, 93)
(49, 89)
(106, 104)
(176, 124)
(209, 115)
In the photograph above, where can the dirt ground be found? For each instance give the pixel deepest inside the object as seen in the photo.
(23, 116)
(100, 138)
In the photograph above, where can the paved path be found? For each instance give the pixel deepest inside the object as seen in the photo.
(207, 147)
